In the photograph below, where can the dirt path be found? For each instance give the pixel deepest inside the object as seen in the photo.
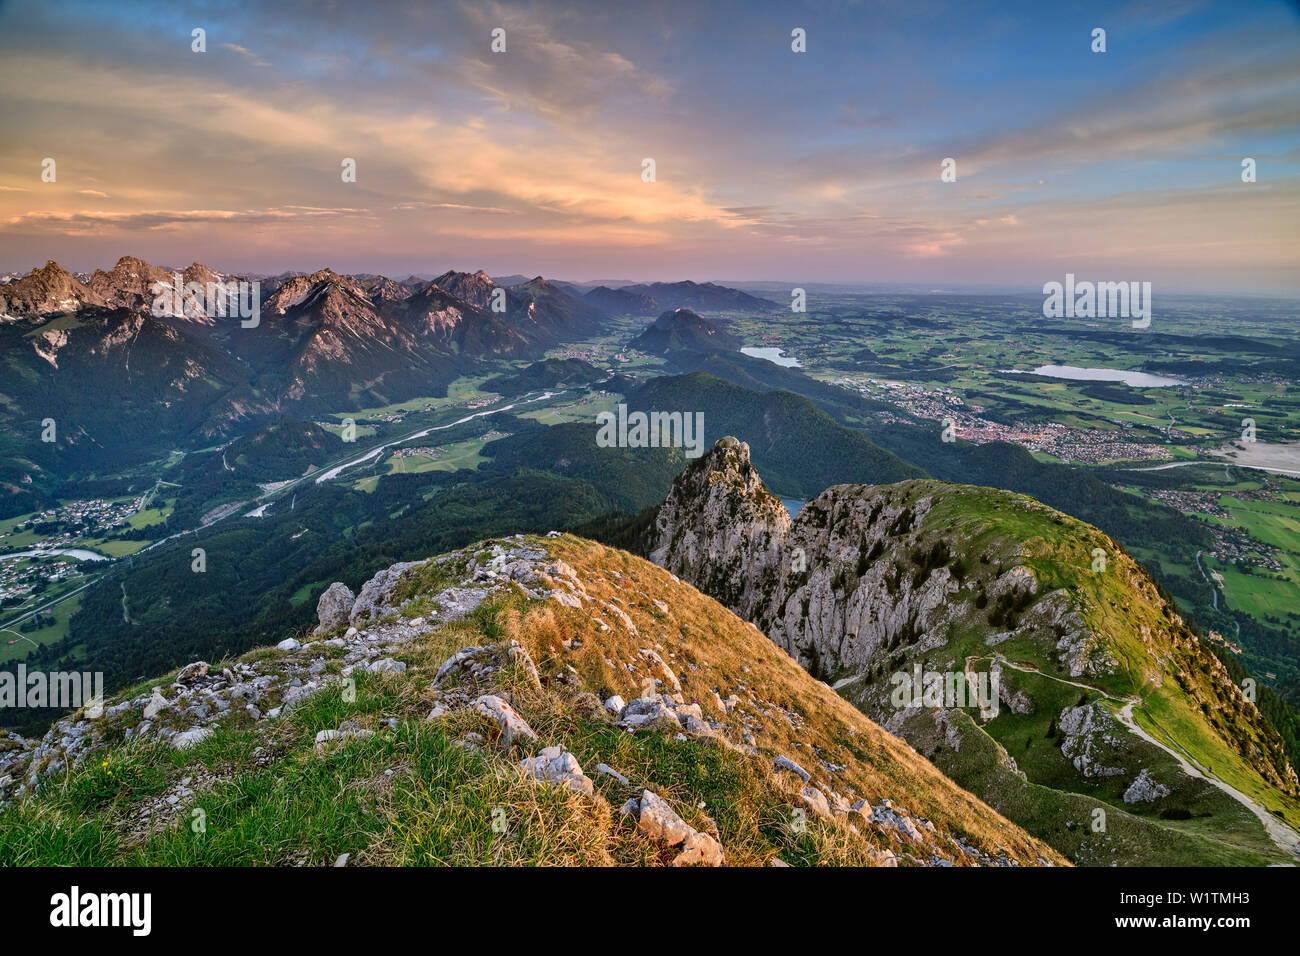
(1286, 839)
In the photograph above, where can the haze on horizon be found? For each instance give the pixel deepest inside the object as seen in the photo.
(821, 166)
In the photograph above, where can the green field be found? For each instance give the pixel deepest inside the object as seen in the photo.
(1262, 592)
(462, 390)
(583, 410)
(453, 457)
(47, 635)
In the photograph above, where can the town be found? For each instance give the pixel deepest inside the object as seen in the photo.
(1090, 446)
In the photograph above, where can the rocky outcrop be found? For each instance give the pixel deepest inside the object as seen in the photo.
(1144, 789)
(721, 529)
(558, 766)
(1088, 735)
(662, 823)
(823, 586)
(334, 609)
(871, 582)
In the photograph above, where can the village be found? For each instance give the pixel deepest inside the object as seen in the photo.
(1090, 446)
(71, 522)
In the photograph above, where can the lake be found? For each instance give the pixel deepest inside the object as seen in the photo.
(772, 355)
(1075, 373)
(793, 505)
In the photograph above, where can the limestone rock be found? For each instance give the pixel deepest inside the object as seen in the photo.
(192, 672)
(1144, 790)
(513, 727)
(559, 766)
(334, 607)
(785, 763)
(191, 737)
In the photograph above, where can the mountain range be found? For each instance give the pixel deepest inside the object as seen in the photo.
(323, 342)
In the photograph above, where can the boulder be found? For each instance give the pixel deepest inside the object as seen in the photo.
(157, 703)
(556, 765)
(191, 737)
(376, 592)
(192, 672)
(816, 801)
(785, 763)
(661, 822)
(513, 727)
(334, 607)
(1144, 789)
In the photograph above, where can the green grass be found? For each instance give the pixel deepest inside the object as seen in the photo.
(453, 457)
(998, 531)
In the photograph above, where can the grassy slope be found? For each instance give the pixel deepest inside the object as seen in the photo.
(1182, 692)
(413, 795)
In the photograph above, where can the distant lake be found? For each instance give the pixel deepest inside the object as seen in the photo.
(793, 505)
(772, 355)
(1074, 372)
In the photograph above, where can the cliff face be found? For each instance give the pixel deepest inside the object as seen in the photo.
(888, 590)
(526, 700)
(722, 530)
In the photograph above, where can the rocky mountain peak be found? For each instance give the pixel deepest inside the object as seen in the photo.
(475, 288)
(718, 523)
(49, 290)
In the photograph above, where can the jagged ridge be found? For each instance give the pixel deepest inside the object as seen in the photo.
(870, 581)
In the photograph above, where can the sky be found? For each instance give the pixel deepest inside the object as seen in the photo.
(770, 164)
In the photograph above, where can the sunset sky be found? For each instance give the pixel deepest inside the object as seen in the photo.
(771, 165)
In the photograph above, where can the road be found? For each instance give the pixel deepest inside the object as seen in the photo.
(1213, 590)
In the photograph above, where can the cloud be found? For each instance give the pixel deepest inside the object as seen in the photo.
(98, 220)
(825, 162)
(459, 207)
(246, 53)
